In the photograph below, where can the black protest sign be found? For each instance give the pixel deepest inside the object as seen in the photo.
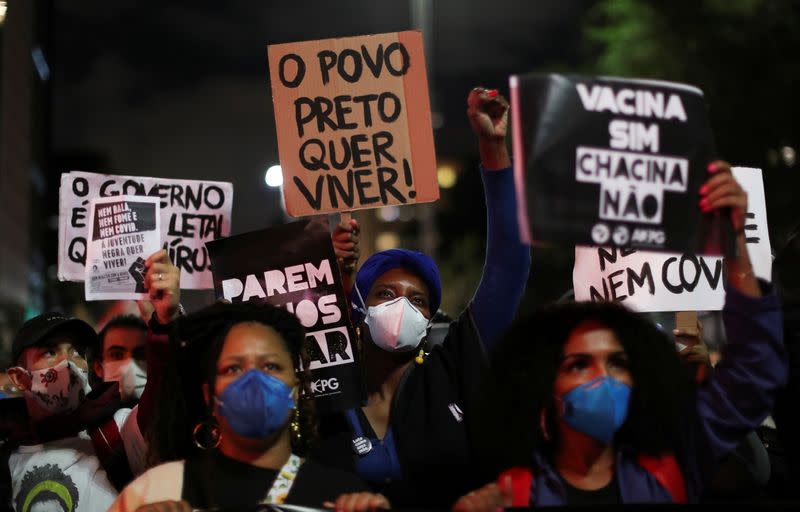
(294, 266)
(606, 161)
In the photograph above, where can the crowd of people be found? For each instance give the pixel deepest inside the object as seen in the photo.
(570, 404)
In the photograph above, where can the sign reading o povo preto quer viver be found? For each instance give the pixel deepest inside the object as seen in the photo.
(353, 123)
(614, 162)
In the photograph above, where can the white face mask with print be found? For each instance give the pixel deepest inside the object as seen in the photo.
(396, 325)
(58, 389)
(131, 377)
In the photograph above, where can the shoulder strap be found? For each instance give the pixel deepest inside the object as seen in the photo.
(110, 450)
(521, 480)
(283, 481)
(667, 473)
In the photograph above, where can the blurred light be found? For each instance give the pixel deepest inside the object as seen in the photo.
(437, 120)
(388, 213)
(40, 63)
(3, 7)
(387, 240)
(447, 176)
(274, 176)
(789, 155)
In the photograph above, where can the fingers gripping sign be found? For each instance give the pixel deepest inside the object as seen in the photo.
(359, 502)
(162, 282)
(722, 190)
(346, 246)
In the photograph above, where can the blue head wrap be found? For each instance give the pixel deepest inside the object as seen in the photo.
(381, 262)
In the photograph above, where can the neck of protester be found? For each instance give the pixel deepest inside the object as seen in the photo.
(263, 453)
(384, 370)
(580, 458)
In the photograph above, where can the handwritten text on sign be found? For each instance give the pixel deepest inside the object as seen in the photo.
(651, 281)
(353, 123)
(192, 212)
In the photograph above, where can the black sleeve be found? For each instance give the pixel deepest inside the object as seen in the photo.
(316, 484)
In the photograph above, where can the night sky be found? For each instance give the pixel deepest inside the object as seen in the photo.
(181, 88)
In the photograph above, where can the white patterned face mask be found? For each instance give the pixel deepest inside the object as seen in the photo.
(131, 377)
(396, 326)
(58, 389)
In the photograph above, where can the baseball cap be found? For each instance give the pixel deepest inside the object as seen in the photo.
(39, 328)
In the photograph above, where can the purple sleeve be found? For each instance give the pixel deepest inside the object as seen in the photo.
(742, 388)
(157, 356)
(508, 261)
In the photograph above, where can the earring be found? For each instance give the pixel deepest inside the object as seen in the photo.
(207, 435)
(543, 425)
(420, 357)
(294, 426)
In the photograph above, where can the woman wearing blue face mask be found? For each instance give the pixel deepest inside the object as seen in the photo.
(410, 441)
(599, 409)
(233, 415)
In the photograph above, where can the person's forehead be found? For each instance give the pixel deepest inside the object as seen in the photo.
(53, 341)
(401, 277)
(590, 338)
(126, 336)
(252, 339)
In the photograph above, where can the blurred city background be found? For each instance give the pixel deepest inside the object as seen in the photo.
(180, 89)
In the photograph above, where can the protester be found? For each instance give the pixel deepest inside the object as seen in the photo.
(744, 472)
(410, 441)
(600, 398)
(238, 415)
(69, 444)
(120, 356)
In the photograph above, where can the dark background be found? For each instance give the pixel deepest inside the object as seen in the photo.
(181, 89)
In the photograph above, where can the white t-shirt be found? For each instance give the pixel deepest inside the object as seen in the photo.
(66, 475)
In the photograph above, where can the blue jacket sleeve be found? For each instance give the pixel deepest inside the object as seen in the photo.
(742, 388)
(507, 263)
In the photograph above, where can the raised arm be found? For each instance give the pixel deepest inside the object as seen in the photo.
(162, 281)
(741, 391)
(508, 261)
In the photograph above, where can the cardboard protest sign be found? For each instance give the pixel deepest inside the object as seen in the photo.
(123, 232)
(655, 281)
(353, 122)
(294, 266)
(192, 212)
(613, 162)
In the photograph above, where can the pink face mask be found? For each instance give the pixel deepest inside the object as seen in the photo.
(396, 326)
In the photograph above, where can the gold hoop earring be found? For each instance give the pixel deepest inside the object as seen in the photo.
(207, 434)
(294, 426)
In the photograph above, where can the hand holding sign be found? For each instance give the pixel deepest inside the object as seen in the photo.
(346, 248)
(162, 282)
(487, 111)
(723, 191)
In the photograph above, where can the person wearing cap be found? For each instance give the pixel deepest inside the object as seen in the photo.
(73, 438)
(410, 441)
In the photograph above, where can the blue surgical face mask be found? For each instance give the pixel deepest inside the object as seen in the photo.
(597, 408)
(256, 405)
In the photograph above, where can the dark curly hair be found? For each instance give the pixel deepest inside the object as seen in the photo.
(196, 342)
(524, 369)
(61, 488)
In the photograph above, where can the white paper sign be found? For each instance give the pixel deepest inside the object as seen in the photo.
(654, 281)
(192, 212)
(123, 232)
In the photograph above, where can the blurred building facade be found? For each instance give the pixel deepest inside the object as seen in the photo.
(24, 141)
